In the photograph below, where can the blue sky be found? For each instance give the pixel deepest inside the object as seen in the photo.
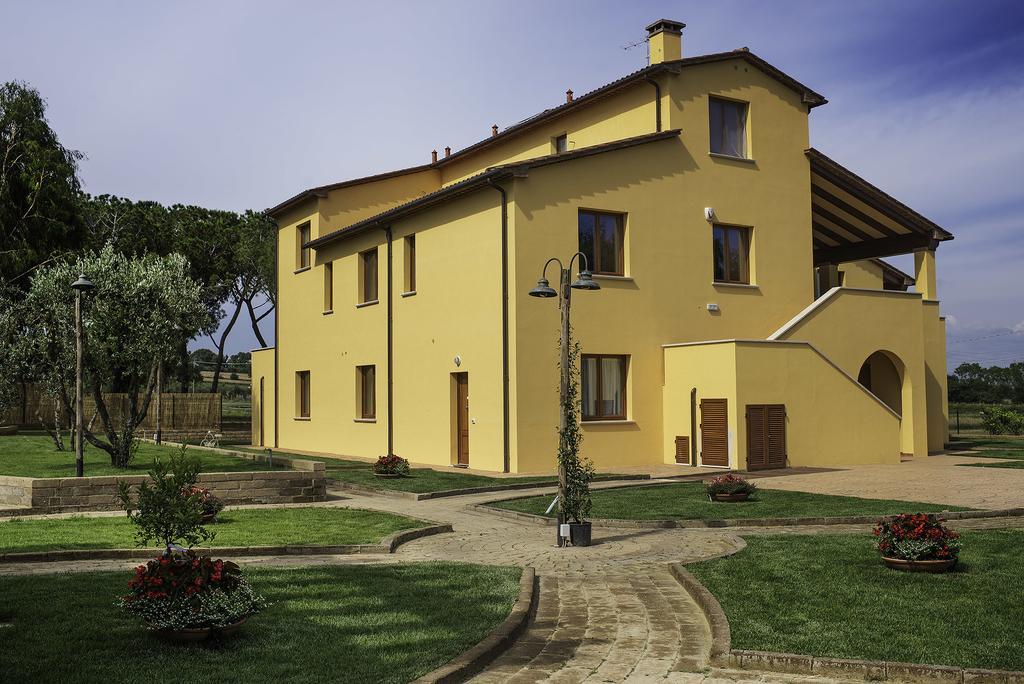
(236, 105)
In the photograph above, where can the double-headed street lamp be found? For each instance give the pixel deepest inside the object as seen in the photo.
(566, 285)
(80, 286)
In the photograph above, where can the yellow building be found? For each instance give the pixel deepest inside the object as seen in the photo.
(743, 318)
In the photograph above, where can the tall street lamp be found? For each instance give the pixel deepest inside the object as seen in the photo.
(80, 286)
(566, 285)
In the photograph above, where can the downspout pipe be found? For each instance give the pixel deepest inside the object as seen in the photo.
(391, 349)
(506, 450)
(657, 103)
(693, 426)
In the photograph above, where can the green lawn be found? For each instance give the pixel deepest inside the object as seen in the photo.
(237, 527)
(33, 455)
(831, 596)
(369, 623)
(687, 501)
(995, 447)
(420, 480)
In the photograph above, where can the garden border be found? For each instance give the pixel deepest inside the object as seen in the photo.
(698, 523)
(724, 656)
(387, 545)
(466, 491)
(494, 644)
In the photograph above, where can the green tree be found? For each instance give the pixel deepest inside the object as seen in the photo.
(140, 307)
(39, 185)
(10, 361)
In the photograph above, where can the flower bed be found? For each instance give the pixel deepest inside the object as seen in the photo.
(393, 466)
(181, 590)
(919, 538)
(210, 504)
(729, 488)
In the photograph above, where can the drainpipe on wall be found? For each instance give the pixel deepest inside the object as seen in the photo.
(391, 325)
(506, 465)
(277, 336)
(657, 103)
(693, 427)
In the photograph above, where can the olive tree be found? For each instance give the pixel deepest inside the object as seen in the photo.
(140, 308)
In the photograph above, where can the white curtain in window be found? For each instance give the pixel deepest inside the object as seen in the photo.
(589, 387)
(612, 384)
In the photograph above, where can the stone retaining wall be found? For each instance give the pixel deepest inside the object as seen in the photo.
(15, 492)
(75, 494)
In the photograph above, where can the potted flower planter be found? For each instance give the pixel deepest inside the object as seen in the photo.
(739, 496)
(579, 534)
(940, 565)
(387, 475)
(195, 634)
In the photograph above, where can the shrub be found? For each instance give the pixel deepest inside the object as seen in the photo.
(181, 590)
(729, 484)
(208, 501)
(169, 509)
(917, 536)
(391, 465)
(999, 420)
(576, 502)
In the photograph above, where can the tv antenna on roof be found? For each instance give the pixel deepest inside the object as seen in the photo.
(638, 44)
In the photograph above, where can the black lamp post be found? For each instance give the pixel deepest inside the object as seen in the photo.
(566, 285)
(80, 286)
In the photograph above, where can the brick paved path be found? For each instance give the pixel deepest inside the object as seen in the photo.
(610, 612)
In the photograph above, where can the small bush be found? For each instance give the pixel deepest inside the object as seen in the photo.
(169, 509)
(999, 420)
(729, 484)
(391, 465)
(181, 590)
(918, 536)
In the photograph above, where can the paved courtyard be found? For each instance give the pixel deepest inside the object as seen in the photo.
(613, 612)
(935, 479)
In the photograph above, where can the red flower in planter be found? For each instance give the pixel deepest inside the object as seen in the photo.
(919, 536)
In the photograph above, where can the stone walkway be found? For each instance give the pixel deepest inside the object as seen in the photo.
(611, 612)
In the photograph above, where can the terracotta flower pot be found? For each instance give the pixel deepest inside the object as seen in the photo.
(739, 496)
(919, 565)
(195, 634)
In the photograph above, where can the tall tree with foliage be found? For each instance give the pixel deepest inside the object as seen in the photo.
(140, 307)
(39, 185)
(10, 361)
(975, 384)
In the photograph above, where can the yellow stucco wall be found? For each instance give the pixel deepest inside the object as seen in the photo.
(935, 376)
(864, 274)
(662, 188)
(263, 393)
(830, 418)
(849, 325)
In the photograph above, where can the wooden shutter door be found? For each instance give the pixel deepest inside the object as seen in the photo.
(766, 436)
(683, 450)
(776, 435)
(714, 432)
(756, 429)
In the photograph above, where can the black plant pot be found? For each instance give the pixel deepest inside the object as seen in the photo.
(579, 534)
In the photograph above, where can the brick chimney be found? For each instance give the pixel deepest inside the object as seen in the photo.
(665, 41)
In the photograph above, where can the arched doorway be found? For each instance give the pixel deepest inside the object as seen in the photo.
(882, 375)
(885, 375)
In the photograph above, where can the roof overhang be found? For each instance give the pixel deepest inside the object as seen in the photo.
(808, 97)
(853, 220)
(487, 178)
